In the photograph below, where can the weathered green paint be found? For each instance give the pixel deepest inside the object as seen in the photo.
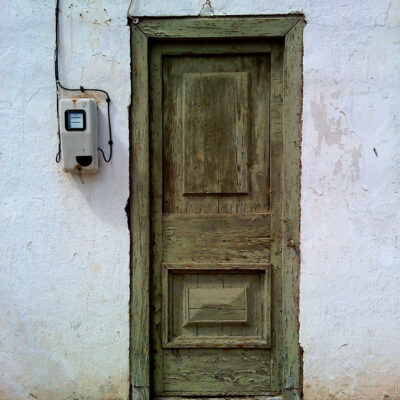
(204, 107)
(285, 190)
(156, 166)
(140, 219)
(276, 140)
(185, 237)
(222, 27)
(209, 223)
(254, 334)
(291, 166)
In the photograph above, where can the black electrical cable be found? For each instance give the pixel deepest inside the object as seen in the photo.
(81, 89)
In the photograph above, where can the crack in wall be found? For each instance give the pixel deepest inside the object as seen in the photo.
(207, 9)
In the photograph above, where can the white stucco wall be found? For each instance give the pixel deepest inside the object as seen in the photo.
(64, 286)
(64, 282)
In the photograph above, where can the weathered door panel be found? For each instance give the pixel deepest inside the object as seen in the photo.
(213, 287)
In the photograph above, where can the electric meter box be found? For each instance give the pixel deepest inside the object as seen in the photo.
(78, 130)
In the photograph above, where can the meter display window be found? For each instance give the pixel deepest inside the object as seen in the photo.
(75, 120)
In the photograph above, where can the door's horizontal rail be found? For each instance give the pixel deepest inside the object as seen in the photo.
(216, 238)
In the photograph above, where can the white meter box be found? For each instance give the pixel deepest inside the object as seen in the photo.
(78, 129)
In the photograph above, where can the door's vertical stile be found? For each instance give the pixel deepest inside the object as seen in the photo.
(276, 148)
(170, 121)
(260, 144)
(156, 171)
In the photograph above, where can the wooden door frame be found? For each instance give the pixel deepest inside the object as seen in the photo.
(286, 221)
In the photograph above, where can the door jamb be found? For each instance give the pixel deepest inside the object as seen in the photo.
(289, 28)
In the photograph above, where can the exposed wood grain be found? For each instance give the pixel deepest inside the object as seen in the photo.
(218, 298)
(215, 237)
(236, 371)
(156, 214)
(221, 342)
(208, 47)
(140, 216)
(256, 281)
(292, 111)
(276, 160)
(258, 68)
(140, 393)
(292, 394)
(216, 315)
(218, 398)
(217, 27)
(213, 331)
(179, 328)
(210, 305)
(198, 267)
(255, 305)
(215, 130)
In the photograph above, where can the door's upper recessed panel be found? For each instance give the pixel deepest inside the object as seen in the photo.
(216, 132)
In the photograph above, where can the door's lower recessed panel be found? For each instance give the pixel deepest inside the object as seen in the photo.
(216, 306)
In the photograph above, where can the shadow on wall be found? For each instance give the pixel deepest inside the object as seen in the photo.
(98, 189)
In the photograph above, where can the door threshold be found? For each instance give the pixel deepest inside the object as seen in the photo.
(221, 398)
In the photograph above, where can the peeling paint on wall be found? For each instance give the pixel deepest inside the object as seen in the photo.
(65, 245)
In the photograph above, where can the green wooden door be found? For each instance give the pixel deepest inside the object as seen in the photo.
(215, 295)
